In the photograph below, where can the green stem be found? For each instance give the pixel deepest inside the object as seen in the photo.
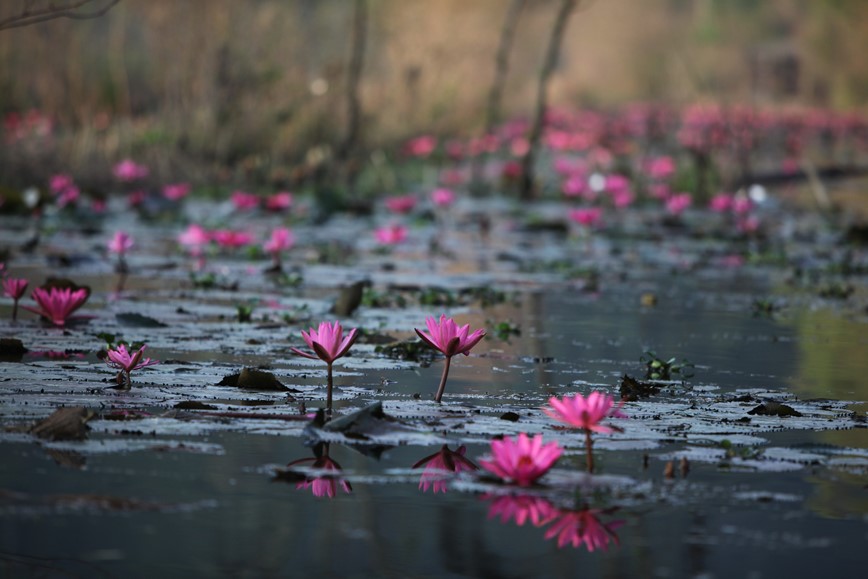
(590, 453)
(15, 310)
(329, 390)
(442, 387)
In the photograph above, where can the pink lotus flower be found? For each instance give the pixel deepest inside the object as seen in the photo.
(442, 197)
(660, 167)
(741, 205)
(279, 201)
(576, 185)
(176, 191)
(584, 526)
(120, 243)
(677, 204)
(128, 170)
(401, 204)
(325, 485)
(421, 146)
(281, 239)
(587, 217)
(68, 196)
(244, 201)
(14, 288)
(57, 304)
(328, 344)
(391, 234)
(587, 414)
(126, 362)
(136, 198)
(521, 509)
(194, 237)
(439, 464)
(230, 239)
(447, 337)
(521, 461)
(659, 191)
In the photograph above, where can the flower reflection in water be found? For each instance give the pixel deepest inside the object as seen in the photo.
(321, 476)
(440, 465)
(571, 527)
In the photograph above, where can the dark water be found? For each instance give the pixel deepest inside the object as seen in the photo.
(192, 499)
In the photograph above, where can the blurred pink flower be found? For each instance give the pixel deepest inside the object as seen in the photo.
(576, 185)
(136, 198)
(244, 201)
(521, 509)
(57, 304)
(439, 464)
(279, 201)
(281, 239)
(677, 204)
(391, 234)
(741, 205)
(616, 184)
(749, 224)
(230, 239)
(586, 216)
(68, 196)
(176, 191)
(660, 167)
(14, 288)
(120, 243)
(523, 460)
(622, 198)
(194, 237)
(720, 203)
(126, 362)
(659, 191)
(452, 177)
(585, 413)
(98, 205)
(442, 197)
(584, 526)
(128, 170)
(401, 204)
(420, 146)
(325, 485)
(60, 182)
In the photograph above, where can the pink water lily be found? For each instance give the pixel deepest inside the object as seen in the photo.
(401, 204)
(176, 191)
(14, 288)
(586, 414)
(280, 240)
(328, 344)
(391, 234)
(439, 464)
(586, 216)
(126, 361)
(279, 201)
(442, 197)
(129, 170)
(523, 460)
(120, 243)
(57, 304)
(242, 200)
(450, 339)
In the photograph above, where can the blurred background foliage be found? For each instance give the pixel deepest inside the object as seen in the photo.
(205, 88)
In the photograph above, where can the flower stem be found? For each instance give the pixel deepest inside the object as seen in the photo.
(590, 453)
(442, 386)
(128, 383)
(329, 390)
(15, 309)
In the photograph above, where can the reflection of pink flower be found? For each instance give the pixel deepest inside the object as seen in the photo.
(521, 460)
(279, 201)
(391, 234)
(325, 485)
(586, 216)
(231, 239)
(242, 200)
(176, 191)
(442, 197)
(120, 243)
(57, 304)
(401, 204)
(585, 413)
(676, 204)
(521, 509)
(584, 526)
(128, 170)
(439, 463)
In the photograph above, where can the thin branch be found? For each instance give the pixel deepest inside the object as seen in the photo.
(51, 12)
(551, 60)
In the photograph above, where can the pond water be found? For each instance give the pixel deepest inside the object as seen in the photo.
(161, 490)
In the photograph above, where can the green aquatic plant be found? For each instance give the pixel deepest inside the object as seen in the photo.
(657, 368)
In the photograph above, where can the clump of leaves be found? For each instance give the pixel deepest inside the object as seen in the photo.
(436, 296)
(742, 452)
(376, 299)
(289, 279)
(836, 291)
(245, 313)
(632, 390)
(765, 307)
(413, 350)
(487, 296)
(210, 280)
(503, 330)
(657, 368)
(297, 314)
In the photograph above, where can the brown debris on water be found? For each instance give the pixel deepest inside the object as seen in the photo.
(64, 424)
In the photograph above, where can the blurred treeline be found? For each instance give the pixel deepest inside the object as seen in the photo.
(212, 85)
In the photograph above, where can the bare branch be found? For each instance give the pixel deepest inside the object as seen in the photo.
(70, 9)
